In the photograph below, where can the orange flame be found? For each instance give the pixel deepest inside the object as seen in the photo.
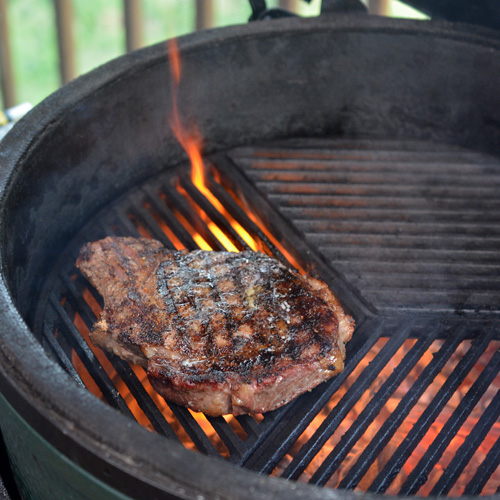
(190, 139)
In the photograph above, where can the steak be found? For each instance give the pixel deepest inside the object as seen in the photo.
(218, 332)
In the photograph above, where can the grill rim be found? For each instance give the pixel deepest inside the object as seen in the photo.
(52, 408)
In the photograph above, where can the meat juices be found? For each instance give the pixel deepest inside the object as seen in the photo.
(218, 332)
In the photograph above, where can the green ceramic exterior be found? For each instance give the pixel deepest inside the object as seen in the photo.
(42, 473)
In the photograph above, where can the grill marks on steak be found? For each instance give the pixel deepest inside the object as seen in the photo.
(219, 332)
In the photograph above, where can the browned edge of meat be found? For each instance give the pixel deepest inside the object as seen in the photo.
(218, 332)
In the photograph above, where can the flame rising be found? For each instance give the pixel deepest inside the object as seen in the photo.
(190, 139)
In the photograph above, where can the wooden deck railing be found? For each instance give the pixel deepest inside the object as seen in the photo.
(64, 22)
(6, 73)
(132, 25)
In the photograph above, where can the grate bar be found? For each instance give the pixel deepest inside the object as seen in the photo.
(416, 280)
(393, 466)
(346, 241)
(88, 358)
(340, 222)
(296, 158)
(57, 351)
(484, 471)
(193, 430)
(240, 216)
(233, 443)
(304, 206)
(168, 217)
(362, 150)
(359, 172)
(319, 204)
(365, 189)
(214, 215)
(258, 432)
(383, 436)
(250, 426)
(409, 270)
(125, 226)
(468, 448)
(395, 178)
(360, 155)
(148, 222)
(147, 405)
(372, 409)
(419, 474)
(180, 203)
(404, 254)
(333, 420)
(472, 301)
(75, 295)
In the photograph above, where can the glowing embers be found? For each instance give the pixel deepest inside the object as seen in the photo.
(424, 425)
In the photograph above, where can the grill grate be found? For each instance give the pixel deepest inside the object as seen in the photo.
(407, 235)
(409, 227)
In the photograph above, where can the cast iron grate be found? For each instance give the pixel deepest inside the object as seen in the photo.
(411, 229)
(407, 235)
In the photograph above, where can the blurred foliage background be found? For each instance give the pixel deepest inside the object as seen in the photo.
(99, 35)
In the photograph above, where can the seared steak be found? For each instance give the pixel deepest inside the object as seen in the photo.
(218, 332)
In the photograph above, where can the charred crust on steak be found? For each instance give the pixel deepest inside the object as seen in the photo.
(219, 332)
